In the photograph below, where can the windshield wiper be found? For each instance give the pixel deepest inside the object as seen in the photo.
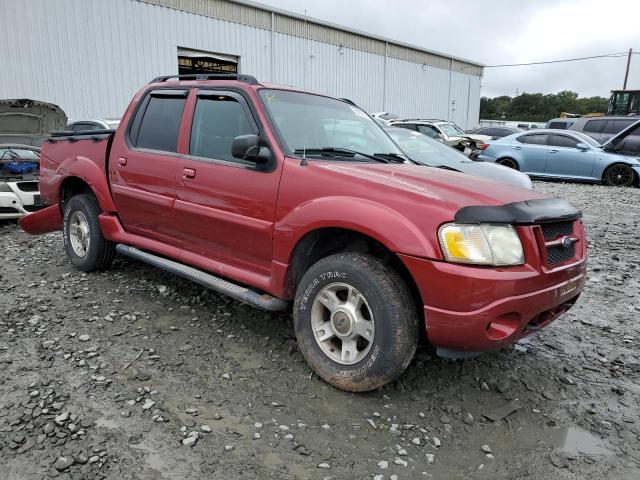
(337, 152)
(395, 157)
(445, 167)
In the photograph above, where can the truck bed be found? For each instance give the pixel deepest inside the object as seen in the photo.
(61, 151)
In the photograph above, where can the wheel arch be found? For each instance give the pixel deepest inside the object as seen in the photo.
(322, 242)
(83, 175)
(499, 161)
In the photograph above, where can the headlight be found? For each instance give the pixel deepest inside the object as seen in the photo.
(481, 244)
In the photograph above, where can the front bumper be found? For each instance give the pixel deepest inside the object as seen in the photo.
(22, 198)
(475, 309)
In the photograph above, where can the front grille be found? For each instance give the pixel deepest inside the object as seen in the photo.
(558, 254)
(551, 231)
(33, 208)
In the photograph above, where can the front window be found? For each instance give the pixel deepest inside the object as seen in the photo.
(450, 130)
(427, 151)
(310, 122)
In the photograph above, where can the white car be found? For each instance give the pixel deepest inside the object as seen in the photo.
(24, 124)
(19, 192)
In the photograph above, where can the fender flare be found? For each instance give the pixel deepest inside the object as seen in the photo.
(92, 174)
(378, 221)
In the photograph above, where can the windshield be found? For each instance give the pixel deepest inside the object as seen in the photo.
(450, 129)
(306, 121)
(425, 150)
(17, 153)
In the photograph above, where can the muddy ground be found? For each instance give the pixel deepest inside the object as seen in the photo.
(136, 374)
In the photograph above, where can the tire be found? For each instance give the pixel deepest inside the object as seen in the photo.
(81, 228)
(619, 175)
(509, 162)
(386, 315)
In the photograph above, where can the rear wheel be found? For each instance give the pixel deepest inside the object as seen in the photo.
(619, 175)
(355, 322)
(86, 247)
(509, 162)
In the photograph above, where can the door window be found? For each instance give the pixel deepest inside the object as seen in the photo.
(429, 131)
(563, 141)
(157, 123)
(534, 139)
(594, 126)
(217, 120)
(616, 126)
(558, 125)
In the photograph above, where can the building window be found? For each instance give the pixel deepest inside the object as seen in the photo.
(192, 62)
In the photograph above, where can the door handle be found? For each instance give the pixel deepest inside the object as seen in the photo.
(517, 148)
(122, 161)
(553, 151)
(188, 173)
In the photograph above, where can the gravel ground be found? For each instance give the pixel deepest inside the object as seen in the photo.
(136, 374)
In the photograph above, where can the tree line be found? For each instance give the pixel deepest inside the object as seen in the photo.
(538, 107)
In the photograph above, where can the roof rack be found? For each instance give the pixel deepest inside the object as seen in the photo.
(251, 80)
(418, 120)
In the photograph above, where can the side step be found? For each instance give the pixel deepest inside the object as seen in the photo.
(238, 292)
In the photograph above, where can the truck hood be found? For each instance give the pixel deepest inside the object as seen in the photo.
(28, 122)
(416, 184)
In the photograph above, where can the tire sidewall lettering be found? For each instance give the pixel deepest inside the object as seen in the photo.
(309, 290)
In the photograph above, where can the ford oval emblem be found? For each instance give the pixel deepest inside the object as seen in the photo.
(566, 242)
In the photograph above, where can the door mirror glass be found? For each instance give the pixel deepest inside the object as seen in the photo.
(582, 146)
(246, 147)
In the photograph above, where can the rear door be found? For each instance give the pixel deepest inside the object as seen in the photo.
(530, 151)
(565, 160)
(143, 172)
(225, 207)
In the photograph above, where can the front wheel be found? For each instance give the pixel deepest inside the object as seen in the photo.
(86, 247)
(619, 175)
(355, 322)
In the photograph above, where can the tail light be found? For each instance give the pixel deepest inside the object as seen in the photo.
(483, 146)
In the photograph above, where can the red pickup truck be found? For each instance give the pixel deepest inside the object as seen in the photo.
(269, 195)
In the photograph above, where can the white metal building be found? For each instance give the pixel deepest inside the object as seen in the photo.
(91, 56)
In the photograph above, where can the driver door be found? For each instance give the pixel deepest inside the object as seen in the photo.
(565, 160)
(225, 207)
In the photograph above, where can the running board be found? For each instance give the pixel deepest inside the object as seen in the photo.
(233, 290)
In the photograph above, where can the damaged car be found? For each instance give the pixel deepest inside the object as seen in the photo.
(24, 124)
(447, 132)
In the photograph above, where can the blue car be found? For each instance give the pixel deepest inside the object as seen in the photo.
(563, 154)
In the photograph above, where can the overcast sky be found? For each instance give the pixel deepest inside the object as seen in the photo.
(505, 31)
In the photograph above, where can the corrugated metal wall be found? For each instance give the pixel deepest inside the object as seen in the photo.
(90, 57)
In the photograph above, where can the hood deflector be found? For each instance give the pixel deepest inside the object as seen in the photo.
(520, 213)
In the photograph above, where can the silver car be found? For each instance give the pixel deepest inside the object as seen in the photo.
(431, 153)
(602, 128)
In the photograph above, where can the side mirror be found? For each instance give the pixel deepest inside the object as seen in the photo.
(440, 136)
(582, 147)
(247, 147)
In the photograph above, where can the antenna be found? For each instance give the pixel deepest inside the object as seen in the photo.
(304, 161)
